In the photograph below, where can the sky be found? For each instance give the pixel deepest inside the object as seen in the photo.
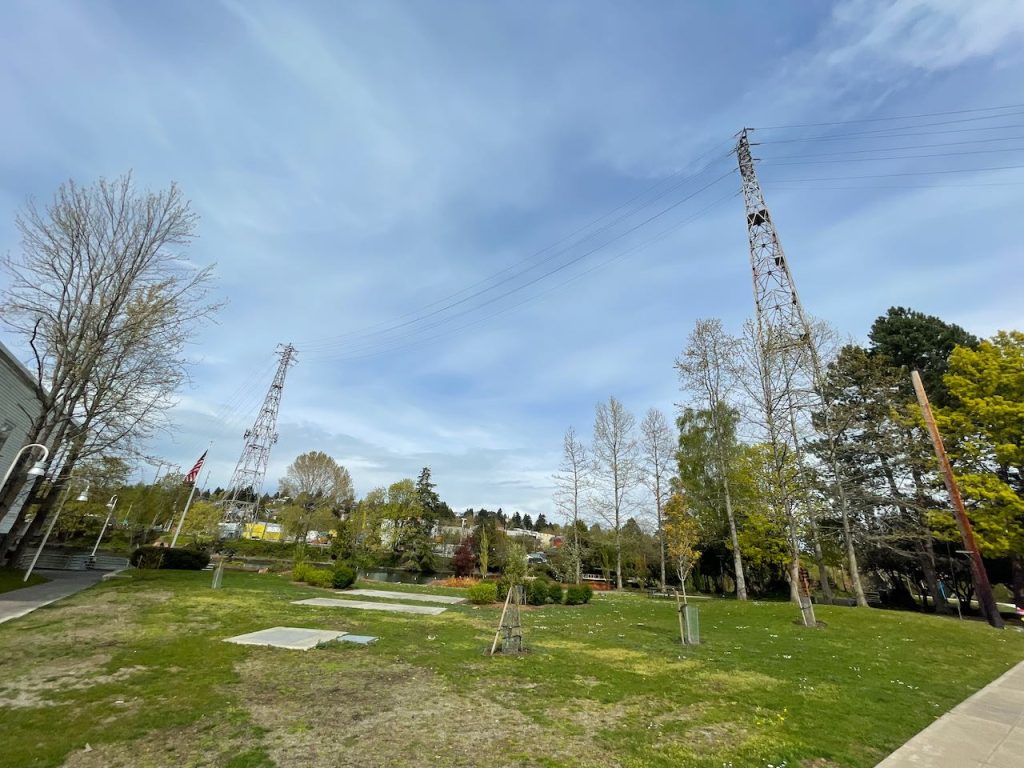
(477, 220)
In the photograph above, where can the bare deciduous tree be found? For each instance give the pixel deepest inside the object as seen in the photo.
(314, 478)
(614, 468)
(106, 304)
(570, 486)
(658, 446)
(769, 374)
(706, 369)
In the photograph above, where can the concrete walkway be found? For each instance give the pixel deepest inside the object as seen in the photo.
(985, 731)
(62, 584)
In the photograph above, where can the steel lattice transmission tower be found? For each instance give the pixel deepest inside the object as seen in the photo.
(791, 369)
(247, 480)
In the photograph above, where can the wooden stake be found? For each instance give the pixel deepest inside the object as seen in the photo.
(497, 635)
(982, 587)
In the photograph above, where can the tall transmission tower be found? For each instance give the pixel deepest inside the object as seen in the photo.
(247, 480)
(786, 339)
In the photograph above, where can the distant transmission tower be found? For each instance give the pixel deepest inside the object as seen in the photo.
(787, 340)
(247, 480)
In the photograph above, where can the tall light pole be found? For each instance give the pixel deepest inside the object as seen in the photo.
(36, 470)
(110, 513)
(83, 496)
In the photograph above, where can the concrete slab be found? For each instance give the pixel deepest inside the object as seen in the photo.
(327, 602)
(360, 639)
(984, 731)
(293, 638)
(416, 596)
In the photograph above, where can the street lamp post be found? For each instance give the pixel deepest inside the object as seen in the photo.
(110, 513)
(83, 496)
(36, 470)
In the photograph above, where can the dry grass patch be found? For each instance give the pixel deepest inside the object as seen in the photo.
(331, 707)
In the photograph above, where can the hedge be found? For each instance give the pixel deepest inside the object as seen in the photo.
(170, 558)
(483, 593)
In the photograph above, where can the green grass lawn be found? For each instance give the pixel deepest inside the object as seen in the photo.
(11, 579)
(135, 669)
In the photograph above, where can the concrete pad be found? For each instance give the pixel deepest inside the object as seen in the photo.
(294, 638)
(327, 602)
(360, 639)
(417, 596)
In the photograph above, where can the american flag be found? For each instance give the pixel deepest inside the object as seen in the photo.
(193, 473)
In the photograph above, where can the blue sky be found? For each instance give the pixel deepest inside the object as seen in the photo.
(355, 162)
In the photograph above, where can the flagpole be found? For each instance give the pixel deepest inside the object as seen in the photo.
(181, 520)
(192, 493)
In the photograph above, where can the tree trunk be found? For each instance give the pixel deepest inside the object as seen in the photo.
(931, 580)
(1017, 579)
(737, 557)
(661, 544)
(819, 559)
(618, 552)
(851, 553)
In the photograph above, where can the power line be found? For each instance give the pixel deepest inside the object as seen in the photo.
(419, 314)
(896, 117)
(552, 271)
(841, 136)
(900, 149)
(774, 162)
(912, 173)
(405, 344)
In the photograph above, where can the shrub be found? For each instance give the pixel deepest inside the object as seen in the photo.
(537, 591)
(316, 577)
(301, 570)
(344, 576)
(319, 577)
(555, 592)
(578, 594)
(169, 558)
(502, 586)
(483, 593)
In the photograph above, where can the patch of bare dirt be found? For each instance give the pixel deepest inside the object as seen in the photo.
(203, 744)
(367, 713)
(31, 689)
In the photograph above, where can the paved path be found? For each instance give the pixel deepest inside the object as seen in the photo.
(985, 731)
(327, 602)
(416, 596)
(62, 584)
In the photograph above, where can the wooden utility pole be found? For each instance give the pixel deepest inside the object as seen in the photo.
(982, 588)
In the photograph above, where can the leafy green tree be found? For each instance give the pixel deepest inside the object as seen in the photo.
(515, 563)
(986, 424)
(707, 369)
(682, 536)
(886, 461)
(708, 466)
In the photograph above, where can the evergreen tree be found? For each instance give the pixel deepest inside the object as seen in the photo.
(912, 340)
(527, 522)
